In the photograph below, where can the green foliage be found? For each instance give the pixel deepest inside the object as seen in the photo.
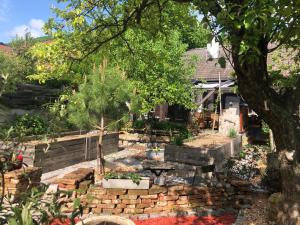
(177, 140)
(11, 72)
(156, 68)
(16, 66)
(242, 154)
(31, 210)
(232, 133)
(168, 126)
(184, 135)
(265, 128)
(22, 216)
(222, 62)
(138, 124)
(150, 53)
(196, 35)
(105, 92)
(136, 178)
(27, 125)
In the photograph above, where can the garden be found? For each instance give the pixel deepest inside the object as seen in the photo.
(103, 120)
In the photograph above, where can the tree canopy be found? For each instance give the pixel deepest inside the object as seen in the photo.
(150, 54)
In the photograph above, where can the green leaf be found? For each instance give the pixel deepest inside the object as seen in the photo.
(222, 62)
(13, 221)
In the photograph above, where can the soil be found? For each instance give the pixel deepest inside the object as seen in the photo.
(208, 141)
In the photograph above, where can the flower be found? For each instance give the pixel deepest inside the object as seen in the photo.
(19, 158)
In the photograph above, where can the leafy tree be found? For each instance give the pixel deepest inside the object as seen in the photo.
(17, 65)
(156, 68)
(21, 46)
(250, 30)
(152, 58)
(11, 72)
(106, 94)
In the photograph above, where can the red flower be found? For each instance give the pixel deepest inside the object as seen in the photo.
(20, 158)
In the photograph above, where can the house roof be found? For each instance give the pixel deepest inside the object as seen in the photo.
(5, 49)
(209, 69)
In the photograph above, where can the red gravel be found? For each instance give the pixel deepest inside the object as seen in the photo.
(189, 220)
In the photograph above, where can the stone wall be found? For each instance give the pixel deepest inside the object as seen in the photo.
(203, 156)
(21, 180)
(159, 199)
(145, 140)
(67, 151)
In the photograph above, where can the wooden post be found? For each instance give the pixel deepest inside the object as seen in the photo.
(220, 103)
(241, 120)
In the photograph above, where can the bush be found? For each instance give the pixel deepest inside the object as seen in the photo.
(265, 128)
(165, 125)
(138, 124)
(26, 125)
(177, 140)
(232, 133)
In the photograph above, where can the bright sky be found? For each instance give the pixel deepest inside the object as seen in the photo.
(18, 15)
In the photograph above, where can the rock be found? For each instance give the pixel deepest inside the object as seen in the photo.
(52, 189)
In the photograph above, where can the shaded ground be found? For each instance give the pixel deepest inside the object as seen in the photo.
(257, 213)
(189, 220)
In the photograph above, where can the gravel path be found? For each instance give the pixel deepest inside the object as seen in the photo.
(48, 177)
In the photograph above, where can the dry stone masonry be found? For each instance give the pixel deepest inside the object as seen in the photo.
(159, 199)
(20, 181)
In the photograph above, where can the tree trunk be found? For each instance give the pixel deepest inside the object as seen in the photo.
(280, 113)
(100, 158)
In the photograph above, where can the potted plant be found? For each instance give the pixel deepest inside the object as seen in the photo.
(125, 180)
(155, 153)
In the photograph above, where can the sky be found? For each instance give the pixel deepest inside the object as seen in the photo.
(17, 16)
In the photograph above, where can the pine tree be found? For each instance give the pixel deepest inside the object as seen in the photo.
(106, 93)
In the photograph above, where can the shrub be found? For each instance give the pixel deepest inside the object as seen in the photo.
(232, 133)
(138, 124)
(166, 125)
(26, 125)
(177, 140)
(265, 128)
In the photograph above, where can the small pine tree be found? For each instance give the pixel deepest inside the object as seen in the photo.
(105, 92)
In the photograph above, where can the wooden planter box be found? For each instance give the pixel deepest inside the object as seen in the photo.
(126, 183)
(66, 151)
